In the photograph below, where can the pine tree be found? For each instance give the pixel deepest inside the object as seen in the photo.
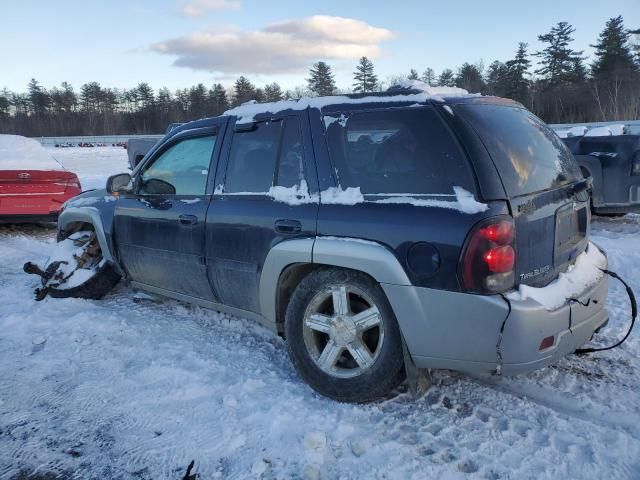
(243, 91)
(38, 97)
(470, 78)
(613, 52)
(413, 75)
(636, 45)
(447, 78)
(69, 97)
(145, 95)
(198, 96)
(218, 100)
(518, 69)
(91, 96)
(273, 92)
(259, 95)
(429, 77)
(364, 76)
(498, 81)
(321, 81)
(164, 100)
(5, 103)
(559, 63)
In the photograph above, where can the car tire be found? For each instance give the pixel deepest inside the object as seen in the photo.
(350, 352)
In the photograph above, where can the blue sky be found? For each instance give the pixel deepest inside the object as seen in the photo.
(177, 43)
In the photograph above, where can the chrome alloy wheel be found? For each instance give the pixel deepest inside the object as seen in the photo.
(343, 331)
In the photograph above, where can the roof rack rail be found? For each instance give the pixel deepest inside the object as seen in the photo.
(390, 92)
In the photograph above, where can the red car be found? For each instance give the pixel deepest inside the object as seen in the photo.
(33, 185)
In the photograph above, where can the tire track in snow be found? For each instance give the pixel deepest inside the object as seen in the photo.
(565, 405)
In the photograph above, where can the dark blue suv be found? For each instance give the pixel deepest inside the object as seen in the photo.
(375, 233)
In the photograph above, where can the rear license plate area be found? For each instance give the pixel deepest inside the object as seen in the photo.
(571, 231)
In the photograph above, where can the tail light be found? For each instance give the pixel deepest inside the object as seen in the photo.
(488, 259)
(74, 183)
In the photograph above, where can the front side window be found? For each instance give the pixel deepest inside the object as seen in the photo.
(403, 151)
(182, 169)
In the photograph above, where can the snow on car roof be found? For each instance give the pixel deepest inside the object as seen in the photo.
(22, 153)
(408, 91)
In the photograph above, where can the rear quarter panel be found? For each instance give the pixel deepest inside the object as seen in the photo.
(401, 226)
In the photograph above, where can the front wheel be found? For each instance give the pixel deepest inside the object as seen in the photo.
(76, 268)
(343, 337)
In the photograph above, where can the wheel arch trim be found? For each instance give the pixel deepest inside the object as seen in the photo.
(92, 216)
(365, 256)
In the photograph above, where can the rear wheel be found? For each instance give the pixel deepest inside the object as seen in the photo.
(343, 337)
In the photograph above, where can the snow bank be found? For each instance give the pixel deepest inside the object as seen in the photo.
(92, 165)
(21, 153)
(606, 131)
(580, 276)
(247, 112)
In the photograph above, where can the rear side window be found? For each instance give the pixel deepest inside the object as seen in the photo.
(270, 154)
(291, 165)
(252, 160)
(397, 151)
(528, 154)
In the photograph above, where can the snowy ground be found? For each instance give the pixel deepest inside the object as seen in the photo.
(126, 388)
(92, 165)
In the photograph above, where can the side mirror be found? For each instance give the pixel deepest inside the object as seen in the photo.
(119, 183)
(155, 186)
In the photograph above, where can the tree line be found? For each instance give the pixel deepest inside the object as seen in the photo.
(564, 88)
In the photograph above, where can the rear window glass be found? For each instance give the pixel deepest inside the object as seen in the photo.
(396, 151)
(528, 154)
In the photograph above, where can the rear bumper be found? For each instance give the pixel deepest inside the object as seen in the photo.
(13, 219)
(460, 331)
(31, 205)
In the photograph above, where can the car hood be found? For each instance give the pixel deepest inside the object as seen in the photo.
(90, 198)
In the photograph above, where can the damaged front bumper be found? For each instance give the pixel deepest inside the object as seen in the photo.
(460, 331)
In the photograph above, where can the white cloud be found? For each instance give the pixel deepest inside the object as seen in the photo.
(196, 8)
(282, 47)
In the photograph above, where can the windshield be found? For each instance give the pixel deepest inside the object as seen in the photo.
(529, 156)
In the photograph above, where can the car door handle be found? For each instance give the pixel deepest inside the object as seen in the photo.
(288, 226)
(188, 219)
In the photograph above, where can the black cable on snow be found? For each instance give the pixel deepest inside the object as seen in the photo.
(634, 315)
